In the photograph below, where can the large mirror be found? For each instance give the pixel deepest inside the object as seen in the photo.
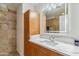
(56, 14)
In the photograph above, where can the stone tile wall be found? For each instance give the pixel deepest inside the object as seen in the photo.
(7, 32)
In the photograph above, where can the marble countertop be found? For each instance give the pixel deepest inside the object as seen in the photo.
(60, 47)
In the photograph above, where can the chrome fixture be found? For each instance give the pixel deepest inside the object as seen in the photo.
(52, 38)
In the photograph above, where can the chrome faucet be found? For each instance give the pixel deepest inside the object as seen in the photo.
(52, 38)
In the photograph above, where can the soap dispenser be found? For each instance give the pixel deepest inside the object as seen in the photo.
(76, 42)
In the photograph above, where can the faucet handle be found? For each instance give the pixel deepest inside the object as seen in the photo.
(52, 37)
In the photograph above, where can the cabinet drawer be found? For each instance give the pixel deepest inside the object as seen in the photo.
(41, 51)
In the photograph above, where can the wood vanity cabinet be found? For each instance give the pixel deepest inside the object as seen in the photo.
(37, 50)
(31, 49)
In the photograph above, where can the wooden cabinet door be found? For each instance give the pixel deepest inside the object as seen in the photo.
(26, 33)
(41, 51)
(34, 23)
(36, 50)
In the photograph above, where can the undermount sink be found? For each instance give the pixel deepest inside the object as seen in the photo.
(49, 42)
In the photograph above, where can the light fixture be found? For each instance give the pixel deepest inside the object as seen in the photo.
(51, 6)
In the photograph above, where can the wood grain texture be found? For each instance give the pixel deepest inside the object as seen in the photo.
(41, 51)
(34, 23)
(26, 32)
(31, 49)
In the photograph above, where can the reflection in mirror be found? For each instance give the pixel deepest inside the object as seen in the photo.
(55, 17)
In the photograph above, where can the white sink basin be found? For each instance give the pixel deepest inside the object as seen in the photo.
(50, 43)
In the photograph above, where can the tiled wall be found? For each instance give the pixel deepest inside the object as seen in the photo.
(7, 32)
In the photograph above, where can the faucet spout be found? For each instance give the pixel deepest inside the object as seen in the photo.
(52, 38)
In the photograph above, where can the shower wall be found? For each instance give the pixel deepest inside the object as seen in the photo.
(7, 32)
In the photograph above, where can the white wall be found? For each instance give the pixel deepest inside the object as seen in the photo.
(20, 27)
(27, 6)
(74, 17)
(20, 31)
